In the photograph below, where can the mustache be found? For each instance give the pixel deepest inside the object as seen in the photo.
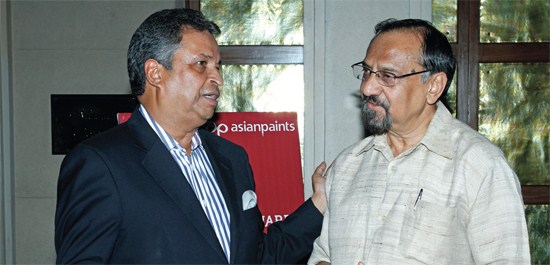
(374, 99)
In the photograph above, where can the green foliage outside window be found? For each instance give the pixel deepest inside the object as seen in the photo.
(538, 221)
(444, 18)
(259, 22)
(514, 21)
(514, 113)
(263, 88)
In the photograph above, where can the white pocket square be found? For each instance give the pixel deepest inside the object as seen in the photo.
(249, 200)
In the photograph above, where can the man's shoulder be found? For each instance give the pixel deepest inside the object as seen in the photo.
(118, 133)
(469, 143)
(112, 140)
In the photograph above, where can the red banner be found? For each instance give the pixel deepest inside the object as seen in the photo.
(273, 146)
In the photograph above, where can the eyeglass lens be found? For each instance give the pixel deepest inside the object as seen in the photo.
(384, 78)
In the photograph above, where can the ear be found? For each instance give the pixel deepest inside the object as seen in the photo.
(152, 70)
(436, 85)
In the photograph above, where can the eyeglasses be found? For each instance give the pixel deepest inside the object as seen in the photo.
(384, 78)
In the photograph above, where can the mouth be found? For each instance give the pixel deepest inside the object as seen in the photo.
(373, 103)
(212, 97)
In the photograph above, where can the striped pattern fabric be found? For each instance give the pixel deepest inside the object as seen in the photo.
(199, 173)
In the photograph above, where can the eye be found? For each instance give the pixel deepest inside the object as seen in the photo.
(200, 66)
(386, 75)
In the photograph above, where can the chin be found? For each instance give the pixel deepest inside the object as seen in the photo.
(208, 116)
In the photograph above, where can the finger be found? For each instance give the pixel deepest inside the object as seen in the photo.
(320, 169)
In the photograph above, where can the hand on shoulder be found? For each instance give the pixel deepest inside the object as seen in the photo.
(318, 180)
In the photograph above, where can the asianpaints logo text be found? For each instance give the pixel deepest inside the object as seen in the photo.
(255, 127)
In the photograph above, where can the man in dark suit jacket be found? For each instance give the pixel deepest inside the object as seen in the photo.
(130, 195)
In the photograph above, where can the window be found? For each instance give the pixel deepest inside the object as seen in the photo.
(262, 54)
(503, 91)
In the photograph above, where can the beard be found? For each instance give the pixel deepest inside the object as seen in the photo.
(375, 123)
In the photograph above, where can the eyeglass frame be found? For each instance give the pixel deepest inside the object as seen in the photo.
(377, 74)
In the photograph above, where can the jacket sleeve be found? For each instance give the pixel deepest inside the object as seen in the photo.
(286, 242)
(87, 211)
(291, 241)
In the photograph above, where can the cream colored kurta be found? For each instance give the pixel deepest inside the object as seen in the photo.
(470, 210)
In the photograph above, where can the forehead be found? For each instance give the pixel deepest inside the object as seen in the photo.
(396, 45)
(199, 43)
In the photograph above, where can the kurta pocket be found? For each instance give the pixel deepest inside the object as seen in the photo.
(428, 233)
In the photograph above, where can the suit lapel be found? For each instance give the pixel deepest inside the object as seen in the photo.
(161, 166)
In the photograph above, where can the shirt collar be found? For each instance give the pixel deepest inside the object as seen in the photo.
(438, 137)
(166, 139)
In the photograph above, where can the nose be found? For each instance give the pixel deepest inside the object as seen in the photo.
(216, 77)
(370, 86)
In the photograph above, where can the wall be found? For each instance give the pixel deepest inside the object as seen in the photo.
(79, 47)
(6, 187)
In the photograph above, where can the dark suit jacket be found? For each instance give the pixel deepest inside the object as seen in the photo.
(123, 199)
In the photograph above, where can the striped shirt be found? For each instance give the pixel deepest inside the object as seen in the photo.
(199, 173)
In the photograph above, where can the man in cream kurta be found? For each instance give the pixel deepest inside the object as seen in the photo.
(469, 212)
(426, 189)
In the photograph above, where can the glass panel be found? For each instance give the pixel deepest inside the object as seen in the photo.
(263, 88)
(538, 224)
(451, 96)
(514, 21)
(444, 18)
(514, 113)
(260, 22)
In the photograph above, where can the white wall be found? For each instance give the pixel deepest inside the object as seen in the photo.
(79, 47)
